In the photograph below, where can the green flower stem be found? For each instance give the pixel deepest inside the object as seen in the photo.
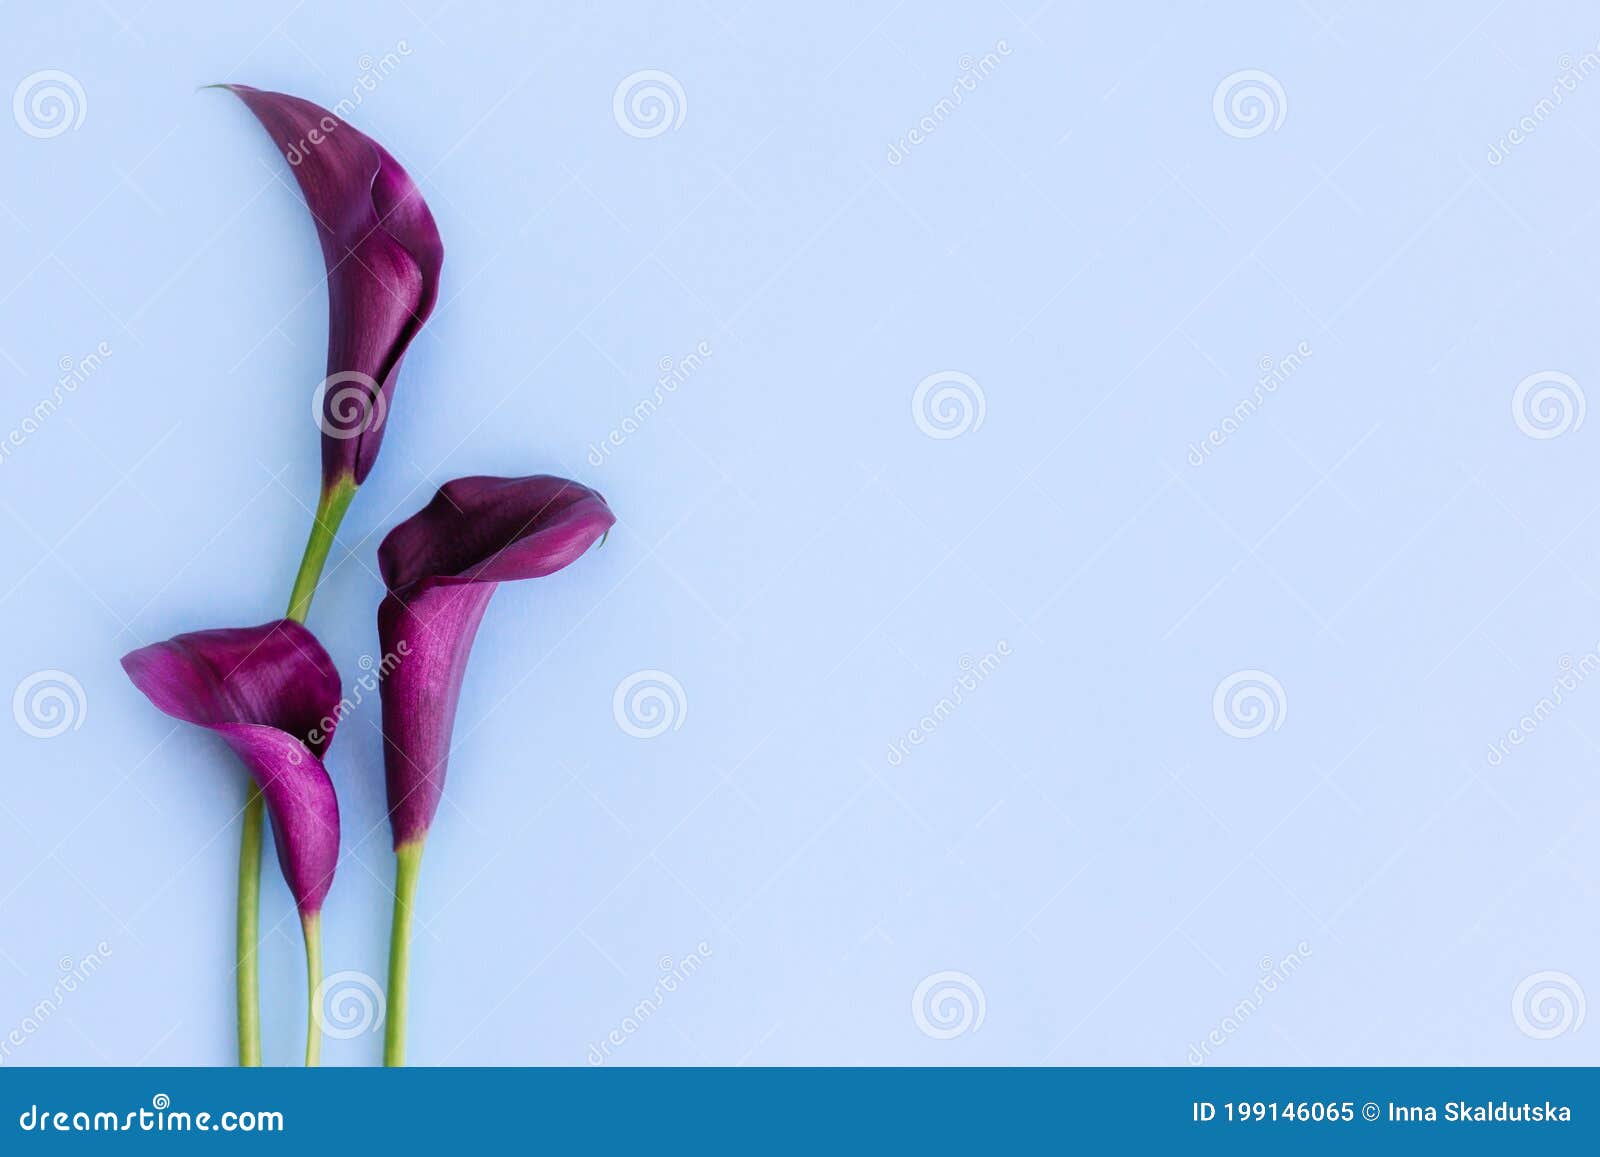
(407, 859)
(331, 507)
(246, 975)
(311, 924)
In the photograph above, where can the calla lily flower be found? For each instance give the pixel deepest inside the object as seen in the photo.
(272, 694)
(383, 255)
(441, 567)
(268, 691)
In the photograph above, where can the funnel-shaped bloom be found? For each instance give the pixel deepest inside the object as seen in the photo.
(383, 255)
(272, 694)
(441, 566)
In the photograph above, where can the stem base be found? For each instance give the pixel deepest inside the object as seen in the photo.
(407, 860)
(247, 919)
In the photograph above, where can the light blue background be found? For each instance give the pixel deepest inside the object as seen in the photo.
(1081, 237)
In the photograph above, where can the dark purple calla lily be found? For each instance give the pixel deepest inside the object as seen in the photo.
(383, 255)
(272, 693)
(441, 566)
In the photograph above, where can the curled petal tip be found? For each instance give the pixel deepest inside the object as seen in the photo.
(486, 529)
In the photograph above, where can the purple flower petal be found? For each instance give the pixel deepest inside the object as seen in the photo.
(383, 255)
(441, 566)
(272, 694)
